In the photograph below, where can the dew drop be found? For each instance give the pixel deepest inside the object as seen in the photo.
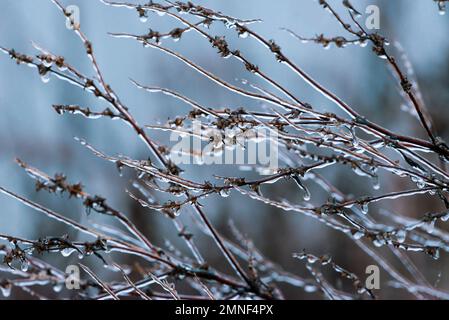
(143, 18)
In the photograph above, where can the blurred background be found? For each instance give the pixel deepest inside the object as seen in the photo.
(32, 131)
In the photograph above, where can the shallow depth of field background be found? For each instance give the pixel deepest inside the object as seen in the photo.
(32, 131)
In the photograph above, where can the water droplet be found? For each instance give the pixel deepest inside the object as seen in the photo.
(58, 287)
(24, 266)
(434, 253)
(445, 217)
(306, 195)
(376, 184)
(47, 63)
(161, 13)
(310, 288)
(243, 35)
(432, 226)
(364, 208)
(363, 43)
(311, 259)
(325, 260)
(361, 290)
(420, 183)
(355, 140)
(45, 77)
(143, 18)
(6, 289)
(358, 235)
(66, 252)
(378, 243)
(400, 236)
(225, 192)
(441, 8)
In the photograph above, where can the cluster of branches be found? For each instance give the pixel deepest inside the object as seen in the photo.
(308, 139)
